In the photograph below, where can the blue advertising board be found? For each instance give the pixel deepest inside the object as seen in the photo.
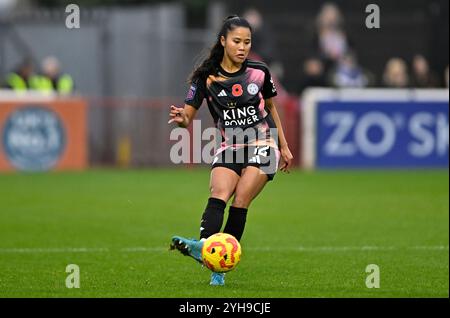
(33, 138)
(374, 134)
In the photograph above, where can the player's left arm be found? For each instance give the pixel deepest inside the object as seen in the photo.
(286, 154)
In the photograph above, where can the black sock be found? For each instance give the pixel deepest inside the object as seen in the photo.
(212, 218)
(236, 222)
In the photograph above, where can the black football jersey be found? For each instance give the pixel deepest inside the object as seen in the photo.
(237, 100)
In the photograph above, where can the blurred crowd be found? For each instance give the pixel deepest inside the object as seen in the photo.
(335, 62)
(48, 79)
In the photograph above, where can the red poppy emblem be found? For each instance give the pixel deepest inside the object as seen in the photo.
(237, 90)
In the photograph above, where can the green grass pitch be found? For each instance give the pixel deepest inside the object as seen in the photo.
(307, 235)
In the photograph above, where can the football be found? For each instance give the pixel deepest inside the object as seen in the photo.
(221, 252)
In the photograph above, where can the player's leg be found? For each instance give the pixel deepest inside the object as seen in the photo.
(260, 168)
(249, 186)
(224, 178)
(222, 184)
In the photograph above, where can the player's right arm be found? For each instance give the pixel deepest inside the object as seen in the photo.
(182, 116)
(193, 101)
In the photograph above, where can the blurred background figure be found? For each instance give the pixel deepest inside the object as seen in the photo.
(348, 73)
(263, 43)
(331, 39)
(395, 74)
(262, 39)
(52, 79)
(422, 76)
(22, 78)
(312, 74)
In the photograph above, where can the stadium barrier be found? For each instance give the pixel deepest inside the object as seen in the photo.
(45, 132)
(375, 128)
(40, 133)
(127, 132)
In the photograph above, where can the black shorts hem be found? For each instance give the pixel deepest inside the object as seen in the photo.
(238, 170)
(232, 167)
(270, 176)
(262, 157)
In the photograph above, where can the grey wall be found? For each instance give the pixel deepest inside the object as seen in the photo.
(130, 64)
(132, 52)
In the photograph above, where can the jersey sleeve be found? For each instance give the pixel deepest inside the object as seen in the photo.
(196, 94)
(269, 90)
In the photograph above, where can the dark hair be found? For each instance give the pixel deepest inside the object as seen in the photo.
(210, 64)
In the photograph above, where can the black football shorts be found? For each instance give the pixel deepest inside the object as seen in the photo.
(265, 158)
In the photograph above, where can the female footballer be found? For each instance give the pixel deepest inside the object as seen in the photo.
(239, 95)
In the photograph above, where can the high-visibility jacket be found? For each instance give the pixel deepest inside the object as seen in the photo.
(62, 85)
(17, 82)
(65, 84)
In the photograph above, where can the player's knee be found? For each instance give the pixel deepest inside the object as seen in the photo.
(241, 201)
(220, 193)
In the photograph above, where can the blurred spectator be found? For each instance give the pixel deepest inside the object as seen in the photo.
(396, 73)
(331, 39)
(263, 42)
(52, 79)
(422, 76)
(262, 36)
(22, 78)
(313, 74)
(348, 73)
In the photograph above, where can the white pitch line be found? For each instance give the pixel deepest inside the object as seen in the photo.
(300, 249)
(439, 247)
(143, 249)
(349, 248)
(52, 250)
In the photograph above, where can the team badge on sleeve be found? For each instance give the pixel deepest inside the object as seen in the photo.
(191, 93)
